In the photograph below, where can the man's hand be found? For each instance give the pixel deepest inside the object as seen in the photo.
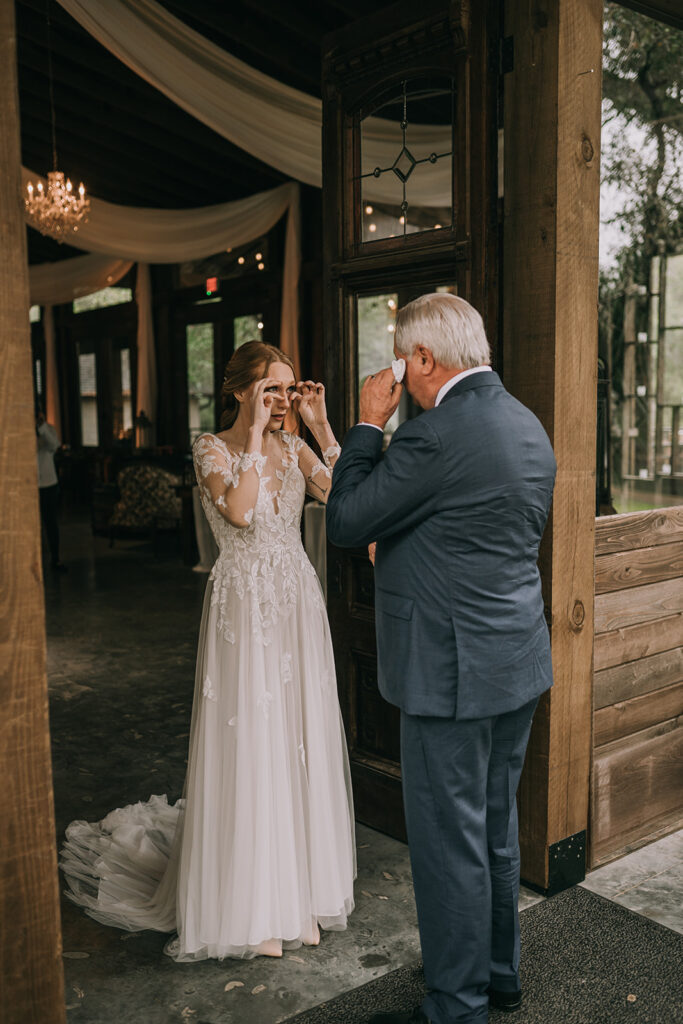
(372, 548)
(379, 398)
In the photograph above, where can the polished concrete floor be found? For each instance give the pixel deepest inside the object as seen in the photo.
(122, 627)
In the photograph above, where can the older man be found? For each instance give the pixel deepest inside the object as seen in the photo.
(457, 506)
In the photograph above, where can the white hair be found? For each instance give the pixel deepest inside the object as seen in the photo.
(448, 326)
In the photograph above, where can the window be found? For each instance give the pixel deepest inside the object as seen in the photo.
(101, 299)
(376, 320)
(87, 375)
(34, 314)
(640, 434)
(416, 176)
(200, 379)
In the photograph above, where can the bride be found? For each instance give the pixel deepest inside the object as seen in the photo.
(260, 853)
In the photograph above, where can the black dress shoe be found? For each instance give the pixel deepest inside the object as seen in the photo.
(415, 1016)
(508, 1002)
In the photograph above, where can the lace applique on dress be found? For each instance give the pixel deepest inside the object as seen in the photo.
(262, 562)
(333, 452)
(208, 690)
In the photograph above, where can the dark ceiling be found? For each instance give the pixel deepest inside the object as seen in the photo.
(123, 138)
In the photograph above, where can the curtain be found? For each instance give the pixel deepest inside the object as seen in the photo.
(147, 363)
(277, 124)
(51, 284)
(173, 236)
(53, 412)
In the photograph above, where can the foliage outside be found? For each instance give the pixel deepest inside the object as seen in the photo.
(641, 192)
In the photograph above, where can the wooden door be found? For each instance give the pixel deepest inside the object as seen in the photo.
(410, 206)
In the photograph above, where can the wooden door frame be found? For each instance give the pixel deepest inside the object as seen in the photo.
(552, 105)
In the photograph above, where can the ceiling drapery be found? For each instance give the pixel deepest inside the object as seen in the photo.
(173, 236)
(276, 123)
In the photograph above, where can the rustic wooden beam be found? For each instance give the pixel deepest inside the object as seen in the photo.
(552, 100)
(31, 978)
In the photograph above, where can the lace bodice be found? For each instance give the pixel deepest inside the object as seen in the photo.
(263, 560)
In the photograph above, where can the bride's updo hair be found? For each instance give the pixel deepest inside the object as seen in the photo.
(248, 363)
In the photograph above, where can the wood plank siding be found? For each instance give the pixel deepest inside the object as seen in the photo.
(637, 775)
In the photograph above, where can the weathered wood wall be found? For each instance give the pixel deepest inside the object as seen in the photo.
(637, 777)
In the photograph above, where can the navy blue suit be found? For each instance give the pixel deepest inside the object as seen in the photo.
(457, 505)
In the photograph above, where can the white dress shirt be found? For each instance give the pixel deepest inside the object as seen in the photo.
(443, 390)
(48, 443)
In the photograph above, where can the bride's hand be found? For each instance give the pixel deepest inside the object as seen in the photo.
(310, 401)
(259, 403)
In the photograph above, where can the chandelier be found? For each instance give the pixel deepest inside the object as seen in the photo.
(57, 210)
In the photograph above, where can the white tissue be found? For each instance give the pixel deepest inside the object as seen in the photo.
(399, 369)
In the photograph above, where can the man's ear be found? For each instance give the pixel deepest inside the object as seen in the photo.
(426, 359)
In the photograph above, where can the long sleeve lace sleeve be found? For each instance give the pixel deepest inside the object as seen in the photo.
(231, 482)
(317, 474)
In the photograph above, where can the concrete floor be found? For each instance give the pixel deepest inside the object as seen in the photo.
(122, 628)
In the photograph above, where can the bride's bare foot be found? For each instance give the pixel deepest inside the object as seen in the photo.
(271, 947)
(314, 938)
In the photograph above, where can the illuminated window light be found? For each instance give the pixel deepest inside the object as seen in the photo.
(372, 227)
(258, 256)
(262, 266)
(369, 210)
(240, 260)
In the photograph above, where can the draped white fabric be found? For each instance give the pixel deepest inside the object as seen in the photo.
(173, 236)
(51, 284)
(147, 363)
(275, 123)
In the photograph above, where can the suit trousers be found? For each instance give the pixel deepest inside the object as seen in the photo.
(49, 513)
(460, 780)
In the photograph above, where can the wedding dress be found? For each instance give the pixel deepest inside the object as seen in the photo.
(262, 845)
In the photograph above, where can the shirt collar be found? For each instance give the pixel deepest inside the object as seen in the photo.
(455, 380)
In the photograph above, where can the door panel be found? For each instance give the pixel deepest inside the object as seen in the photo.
(382, 249)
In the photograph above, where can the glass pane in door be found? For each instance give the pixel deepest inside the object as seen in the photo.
(376, 324)
(201, 402)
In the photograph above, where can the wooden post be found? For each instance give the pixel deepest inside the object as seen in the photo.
(552, 137)
(31, 979)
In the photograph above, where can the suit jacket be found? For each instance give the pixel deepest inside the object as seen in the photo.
(457, 505)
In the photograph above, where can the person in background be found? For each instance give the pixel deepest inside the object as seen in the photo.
(48, 484)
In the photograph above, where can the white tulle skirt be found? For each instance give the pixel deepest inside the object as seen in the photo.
(262, 845)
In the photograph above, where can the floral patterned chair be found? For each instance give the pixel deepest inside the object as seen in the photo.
(148, 503)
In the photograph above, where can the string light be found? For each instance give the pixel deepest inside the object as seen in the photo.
(369, 210)
(401, 220)
(437, 226)
(260, 325)
(258, 256)
(240, 260)
(391, 303)
(262, 266)
(391, 328)
(372, 227)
